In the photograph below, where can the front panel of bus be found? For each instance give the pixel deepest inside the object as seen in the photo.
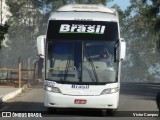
(81, 66)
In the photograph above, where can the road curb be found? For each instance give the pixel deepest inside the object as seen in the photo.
(11, 95)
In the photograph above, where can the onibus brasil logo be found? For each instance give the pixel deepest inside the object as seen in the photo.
(80, 28)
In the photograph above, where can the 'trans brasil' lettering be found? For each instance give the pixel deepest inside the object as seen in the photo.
(80, 28)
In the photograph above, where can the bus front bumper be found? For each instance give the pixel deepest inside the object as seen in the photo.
(56, 100)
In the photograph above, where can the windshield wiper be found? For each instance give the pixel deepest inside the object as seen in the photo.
(67, 66)
(93, 69)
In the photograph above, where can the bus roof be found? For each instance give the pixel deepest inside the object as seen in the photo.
(86, 8)
(85, 12)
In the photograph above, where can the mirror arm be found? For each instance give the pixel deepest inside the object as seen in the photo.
(115, 48)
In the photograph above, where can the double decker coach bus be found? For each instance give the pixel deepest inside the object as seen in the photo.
(83, 55)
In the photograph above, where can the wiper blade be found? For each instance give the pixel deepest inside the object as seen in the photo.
(66, 69)
(93, 68)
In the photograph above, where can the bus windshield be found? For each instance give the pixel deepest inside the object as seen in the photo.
(88, 62)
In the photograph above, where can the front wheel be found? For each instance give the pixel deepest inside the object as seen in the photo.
(110, 112)
(51, 110)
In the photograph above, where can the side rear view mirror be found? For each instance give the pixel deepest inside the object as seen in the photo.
(122, 49)
(41, 44)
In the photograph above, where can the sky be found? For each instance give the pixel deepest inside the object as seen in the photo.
(122, 3)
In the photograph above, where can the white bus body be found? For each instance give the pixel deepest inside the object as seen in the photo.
(83, 58)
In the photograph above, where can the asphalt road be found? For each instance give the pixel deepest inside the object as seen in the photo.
(135, 99)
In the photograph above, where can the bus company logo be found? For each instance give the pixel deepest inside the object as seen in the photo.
(80, 28)
(80, 86)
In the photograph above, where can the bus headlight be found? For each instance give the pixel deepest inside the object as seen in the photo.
(110, 91)
(52, 89)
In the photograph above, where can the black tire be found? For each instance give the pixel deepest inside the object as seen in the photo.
(51, 110)
(158, 101)
(111, 112)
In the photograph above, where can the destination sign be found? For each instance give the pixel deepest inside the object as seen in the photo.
(82, 30)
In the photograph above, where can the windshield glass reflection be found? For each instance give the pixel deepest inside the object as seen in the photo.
(79, 61)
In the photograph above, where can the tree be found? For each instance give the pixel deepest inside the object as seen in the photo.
(3, 31)
(152, 14)
(141, 45)
(23, 31)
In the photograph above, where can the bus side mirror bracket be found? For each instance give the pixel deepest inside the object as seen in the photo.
(122, 49)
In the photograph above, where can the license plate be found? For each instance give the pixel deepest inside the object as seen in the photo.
(80, 101)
